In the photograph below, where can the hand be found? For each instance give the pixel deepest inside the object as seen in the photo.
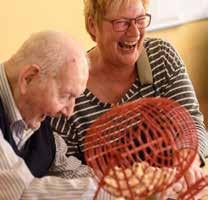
(194, 173)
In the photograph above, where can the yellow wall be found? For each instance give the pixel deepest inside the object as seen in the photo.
(19, 18)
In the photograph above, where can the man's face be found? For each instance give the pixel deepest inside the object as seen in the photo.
(52, 96)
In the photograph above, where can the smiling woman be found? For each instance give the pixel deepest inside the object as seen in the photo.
(126, 66)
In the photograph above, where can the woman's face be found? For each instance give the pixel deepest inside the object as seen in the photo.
(121, 48)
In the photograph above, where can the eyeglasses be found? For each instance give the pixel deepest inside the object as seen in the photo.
(120, 25)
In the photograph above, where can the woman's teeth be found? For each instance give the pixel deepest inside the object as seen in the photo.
(127, 45)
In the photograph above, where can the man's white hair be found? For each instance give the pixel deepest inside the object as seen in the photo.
(48, 49)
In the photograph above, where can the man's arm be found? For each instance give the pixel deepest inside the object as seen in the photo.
(16, 181)
(67, 167)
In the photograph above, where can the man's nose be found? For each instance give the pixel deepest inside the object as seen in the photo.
(68, 109)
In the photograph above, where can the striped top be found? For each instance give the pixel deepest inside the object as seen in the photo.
(16, 182)
(170, 80)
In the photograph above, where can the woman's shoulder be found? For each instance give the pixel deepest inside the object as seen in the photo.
(157, 43)
(162, 53)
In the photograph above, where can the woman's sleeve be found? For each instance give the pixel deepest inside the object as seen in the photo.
(179, 87)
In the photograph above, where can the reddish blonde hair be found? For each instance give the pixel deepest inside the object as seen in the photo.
(98, 8)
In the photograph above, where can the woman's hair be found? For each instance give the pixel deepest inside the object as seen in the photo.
(98, 8)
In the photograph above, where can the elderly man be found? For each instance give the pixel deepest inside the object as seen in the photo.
(42, 79)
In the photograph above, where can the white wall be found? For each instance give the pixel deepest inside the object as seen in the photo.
(167, 13)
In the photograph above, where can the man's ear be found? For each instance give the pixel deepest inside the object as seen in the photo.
(27, 75)
(91, 27)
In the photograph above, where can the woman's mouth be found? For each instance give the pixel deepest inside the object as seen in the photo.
(127, 45)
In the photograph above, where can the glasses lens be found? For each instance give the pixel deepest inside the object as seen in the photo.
(143, 22)
(123, 24)
(120, 25)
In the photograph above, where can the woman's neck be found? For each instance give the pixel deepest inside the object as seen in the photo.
(102, 67)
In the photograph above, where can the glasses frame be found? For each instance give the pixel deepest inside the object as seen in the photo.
(129, 20)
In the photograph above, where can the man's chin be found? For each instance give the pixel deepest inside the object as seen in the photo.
(34, 125)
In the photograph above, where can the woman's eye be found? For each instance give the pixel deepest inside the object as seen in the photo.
(122, 22)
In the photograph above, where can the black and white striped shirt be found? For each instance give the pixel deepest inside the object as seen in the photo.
(170, 79)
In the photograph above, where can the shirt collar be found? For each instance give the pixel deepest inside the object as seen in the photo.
(7, 98)
(14, 116)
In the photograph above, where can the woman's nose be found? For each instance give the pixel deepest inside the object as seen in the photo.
(133, 29)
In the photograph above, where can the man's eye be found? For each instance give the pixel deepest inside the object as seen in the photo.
(65, 97)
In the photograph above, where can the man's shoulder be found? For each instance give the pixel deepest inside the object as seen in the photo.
(3, 117)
